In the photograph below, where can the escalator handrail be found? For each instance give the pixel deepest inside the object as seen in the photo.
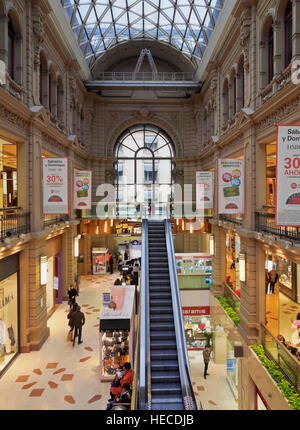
(143, 365)
(183, 361)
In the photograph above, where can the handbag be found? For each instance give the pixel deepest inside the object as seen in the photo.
(69, 336)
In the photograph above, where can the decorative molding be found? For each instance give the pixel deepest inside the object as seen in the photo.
(12, 117)
(275, 117)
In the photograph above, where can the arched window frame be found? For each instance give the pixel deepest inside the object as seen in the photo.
(44, 81)
(137, 155)
(225, 101)
(270, 51)
(240, 100)
(288, 33)
(14, 47)
(60, 99)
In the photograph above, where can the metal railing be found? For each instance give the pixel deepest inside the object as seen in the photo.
(288, 363)
(51, 220)
(13, 222)
(144, 365)
(235, 219)
(265, 222)
(147, 76)
(183, 360)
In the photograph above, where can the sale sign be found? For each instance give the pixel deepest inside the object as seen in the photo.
(55, 186)
(231, 186)
(204, 190)
(82, 189)
(288, 176)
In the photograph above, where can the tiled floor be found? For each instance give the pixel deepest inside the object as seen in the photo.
(62, 377)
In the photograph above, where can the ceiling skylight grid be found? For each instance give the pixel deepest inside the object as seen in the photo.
(185, 24)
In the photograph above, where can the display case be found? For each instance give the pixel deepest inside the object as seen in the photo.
(194, 270)
(99, 260)
(197, 326)
(117, 331)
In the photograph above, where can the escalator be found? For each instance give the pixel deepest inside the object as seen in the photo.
(164, 381)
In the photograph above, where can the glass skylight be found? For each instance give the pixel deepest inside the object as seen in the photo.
(101, 24)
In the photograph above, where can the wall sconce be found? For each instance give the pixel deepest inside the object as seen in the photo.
(242, 261)
(111, 222)
(76, 246)
(182, 225)
(97, 229)
(191, 229)
(43, 269)
(212, 244)
(177, 221)
(105, 227)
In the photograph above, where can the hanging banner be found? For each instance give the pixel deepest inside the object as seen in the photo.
(288, 176)
(82, 189)
(204, 190)
(55, 186)
(231, 186)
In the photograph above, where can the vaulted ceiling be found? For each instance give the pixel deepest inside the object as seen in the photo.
(101, 24)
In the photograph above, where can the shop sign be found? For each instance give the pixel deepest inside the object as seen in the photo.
(196, 310)
(204, 190)
(55, 186)
(82, 189)
(231, 364)
(106, 299)
(231, 186)
(288, 176)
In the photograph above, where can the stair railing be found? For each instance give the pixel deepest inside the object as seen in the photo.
(183, 361)
(144, 396)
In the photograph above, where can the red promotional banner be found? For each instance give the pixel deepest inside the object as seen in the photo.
(196, 310)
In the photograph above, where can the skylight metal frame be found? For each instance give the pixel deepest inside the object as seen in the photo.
(102, 24)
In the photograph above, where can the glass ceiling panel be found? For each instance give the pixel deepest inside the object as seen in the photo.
(185, 24)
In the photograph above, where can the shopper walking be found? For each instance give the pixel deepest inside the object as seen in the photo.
(206, 359)
(77, 320)
(72, 293)
(111, 264)
(273, 275)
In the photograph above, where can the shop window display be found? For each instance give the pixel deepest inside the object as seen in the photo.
(197, 328)
(8, 175)
(115, 351)
(8, 319)
(233, 245)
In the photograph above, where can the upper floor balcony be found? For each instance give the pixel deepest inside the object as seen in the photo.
(265, 223)
(13, 222)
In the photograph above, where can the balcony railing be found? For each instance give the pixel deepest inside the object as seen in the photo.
(235, 219)
(52, 220)
(265, 222)
(288, 363)
(147, 76)
(13, 222)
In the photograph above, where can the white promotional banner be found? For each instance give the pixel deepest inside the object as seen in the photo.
(288, 176)
(204, 190)
(231, 186)
(55, 186)
(82, 189)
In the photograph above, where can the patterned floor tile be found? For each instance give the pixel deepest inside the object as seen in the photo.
(200, 388)
(96, 310)
(59, 371)
(25, 387)
(36, 392)
(212, 403)
(69, 399)
(51, 365)
(22, 378)
(84, 359)
(95, 398)
(67, 377)
(37, 371)
(88, 313)
(88, 348)
(52, 384)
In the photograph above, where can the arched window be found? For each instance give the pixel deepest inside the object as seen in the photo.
(205, 125)
(52, 92)
(11, 48)
(225, 102)
(240, 100)
(288, 32)
(44, 81)
(60, 99)
(144, 166)
(270, 54)
(232, 95)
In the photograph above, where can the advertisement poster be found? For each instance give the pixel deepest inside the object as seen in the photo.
(55, 186)
(82, 189)
(288, 176)
(231, 186)
(204, 190)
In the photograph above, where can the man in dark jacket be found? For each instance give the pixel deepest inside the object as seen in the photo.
(72, 293)
(77, 320)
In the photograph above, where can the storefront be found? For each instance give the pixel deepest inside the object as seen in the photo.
(196, 318)
(233, 246)
(8, 175)
(194, 270)
(54, 284)
(9, 310)
(282, 300)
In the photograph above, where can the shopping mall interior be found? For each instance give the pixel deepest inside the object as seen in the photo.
(119, 123)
